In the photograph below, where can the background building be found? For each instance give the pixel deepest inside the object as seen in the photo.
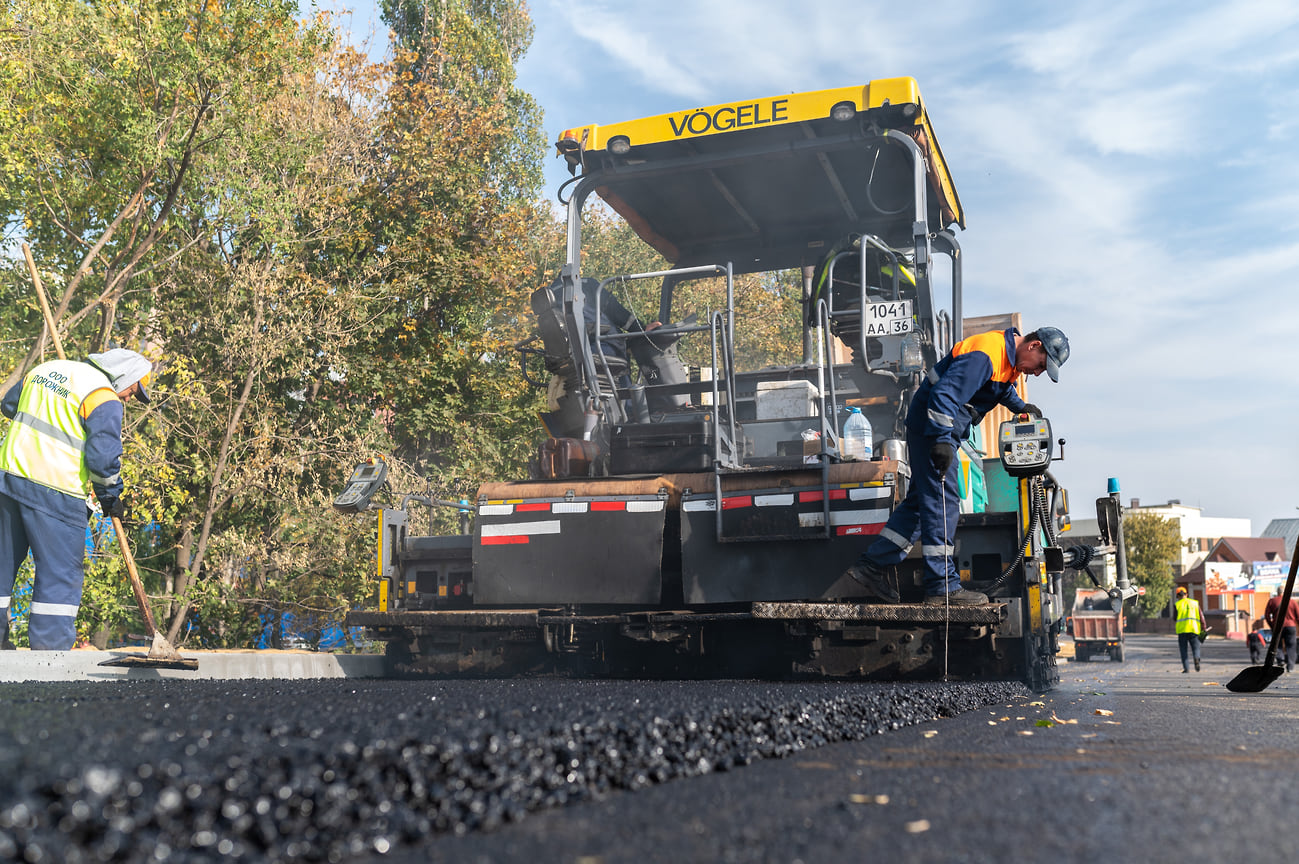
(1199, 533)
(1287, 530)
(1235, 579)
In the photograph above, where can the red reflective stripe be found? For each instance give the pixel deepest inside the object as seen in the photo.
(835, 495)
(505, 540)
(739, 501)
(608, 505)
(529, 508)
(844, 530)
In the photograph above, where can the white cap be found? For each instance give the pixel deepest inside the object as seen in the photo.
(124, 368)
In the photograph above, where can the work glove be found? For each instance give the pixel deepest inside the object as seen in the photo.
(112, 506)
(1030, 408)
(941, 456)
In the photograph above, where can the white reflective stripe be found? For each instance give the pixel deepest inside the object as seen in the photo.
(569, 507)
(699, 504)
(844, 517)
(644, 506)
(940, 419)
(62, 610)
(773, 500)
(48, 429)
(549, 526)
(858, 517)
(4, 602)
(495, 509)
(869, 492)
(104, 481)
(896, 539)
(932, 551)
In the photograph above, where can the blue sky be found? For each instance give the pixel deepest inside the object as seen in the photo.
(1127, 171)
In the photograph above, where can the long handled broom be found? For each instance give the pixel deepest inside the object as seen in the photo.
(161, 655)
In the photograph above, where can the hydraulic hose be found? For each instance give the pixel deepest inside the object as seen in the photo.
(1079, 557)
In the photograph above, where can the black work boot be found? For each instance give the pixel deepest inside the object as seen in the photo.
(959, 597)
(1197, 664)
(875, 580)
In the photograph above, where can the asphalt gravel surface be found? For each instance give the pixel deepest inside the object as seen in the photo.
(1122, 762)
(339, 770)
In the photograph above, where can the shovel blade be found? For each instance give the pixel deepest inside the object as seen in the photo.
(1254, 679)
(140, 661)
(161, 656)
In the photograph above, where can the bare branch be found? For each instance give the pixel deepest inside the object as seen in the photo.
(214, 494)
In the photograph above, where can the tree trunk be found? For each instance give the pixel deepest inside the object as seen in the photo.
(214, 497)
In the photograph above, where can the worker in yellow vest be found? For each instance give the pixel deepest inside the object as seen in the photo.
(64, 442)
(1190, 624)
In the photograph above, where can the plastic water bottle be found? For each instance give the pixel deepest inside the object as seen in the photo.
(856, 444)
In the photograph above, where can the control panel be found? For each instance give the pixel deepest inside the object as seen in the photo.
(1024, 443)
(367, 478)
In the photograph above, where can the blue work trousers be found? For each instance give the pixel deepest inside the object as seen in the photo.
(1188, 642)
(929, 511)
(58, 552)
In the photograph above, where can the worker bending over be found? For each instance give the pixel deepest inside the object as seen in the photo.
(1284, 624)
(64, 441)
(978, 374)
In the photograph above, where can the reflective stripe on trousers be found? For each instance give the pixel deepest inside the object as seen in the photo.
(903, 543)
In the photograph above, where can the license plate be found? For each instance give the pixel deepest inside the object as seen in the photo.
(888, 319)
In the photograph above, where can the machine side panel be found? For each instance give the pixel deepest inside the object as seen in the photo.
(590, 551)
(803, 566)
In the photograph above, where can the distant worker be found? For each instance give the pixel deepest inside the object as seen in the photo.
(1285, 629)
(1189, 626)
(64, 441)
(978, 375)
(1256, 642)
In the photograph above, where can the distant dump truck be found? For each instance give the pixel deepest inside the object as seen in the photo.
(1097, 626)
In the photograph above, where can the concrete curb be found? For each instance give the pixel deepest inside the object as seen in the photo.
(84, 666)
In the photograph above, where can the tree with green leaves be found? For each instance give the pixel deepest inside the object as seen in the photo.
(186, 175)
(1154, 548)
(450, 216)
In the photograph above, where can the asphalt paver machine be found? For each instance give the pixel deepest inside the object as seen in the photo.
(691, 517)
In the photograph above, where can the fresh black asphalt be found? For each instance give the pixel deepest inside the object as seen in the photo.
(1122, 762)
(1181, 770)
(335, 770)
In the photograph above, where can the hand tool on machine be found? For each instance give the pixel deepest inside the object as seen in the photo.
(161, 654)
(1254, 679)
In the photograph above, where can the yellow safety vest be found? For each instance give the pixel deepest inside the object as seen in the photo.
(1188, 615)
(47, 439)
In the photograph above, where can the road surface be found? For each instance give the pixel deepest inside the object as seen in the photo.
(1122, 762)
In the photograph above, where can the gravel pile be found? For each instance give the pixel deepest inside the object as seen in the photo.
(331, 770)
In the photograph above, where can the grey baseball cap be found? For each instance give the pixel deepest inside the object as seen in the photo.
(124, 368)
(1056, 345)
